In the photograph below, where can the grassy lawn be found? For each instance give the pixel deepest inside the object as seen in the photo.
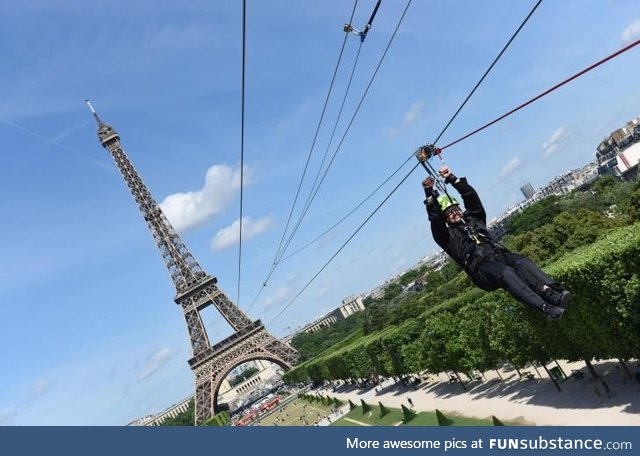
(290, 414)
(462, 421)
(423, 419)
(430, 419)
(395, 416)
(374, 419)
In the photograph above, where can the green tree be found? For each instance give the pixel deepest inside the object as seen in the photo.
(407, 414)
(438, 343)
(245, 374)
(392, 291)
(219, 419)
(185, 418)
(534, 216)
(408, 308)
(474, 335)
(310, 345)
(567, 231)
(634, 209)
(409, 277)
(512, 335)
(442, 419)
(603, 185)
(376, 318)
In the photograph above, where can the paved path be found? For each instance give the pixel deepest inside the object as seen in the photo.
(359, 423)
(536, 402)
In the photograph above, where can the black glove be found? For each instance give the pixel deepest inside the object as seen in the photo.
(428, 191)
(451, 179)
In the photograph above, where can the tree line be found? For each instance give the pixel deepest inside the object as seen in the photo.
(589, 241)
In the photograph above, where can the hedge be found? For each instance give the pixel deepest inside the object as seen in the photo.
(602, 322)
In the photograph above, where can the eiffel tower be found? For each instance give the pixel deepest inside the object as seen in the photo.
(196, 290)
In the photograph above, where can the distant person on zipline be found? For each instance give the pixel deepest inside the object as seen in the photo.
(489, 264)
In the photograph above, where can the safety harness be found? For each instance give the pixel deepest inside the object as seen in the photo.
(471, 262)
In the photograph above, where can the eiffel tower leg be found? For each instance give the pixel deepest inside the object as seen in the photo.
(282, 351)
(203, 401)
(248, 345)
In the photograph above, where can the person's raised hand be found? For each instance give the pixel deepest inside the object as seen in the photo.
(428, 182)
(444, 171)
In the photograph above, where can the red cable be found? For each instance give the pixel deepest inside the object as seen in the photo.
(577, 75)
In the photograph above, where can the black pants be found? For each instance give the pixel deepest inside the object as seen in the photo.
(516, 274)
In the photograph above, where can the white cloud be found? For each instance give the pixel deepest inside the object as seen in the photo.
(156, 361)
(553, 143)
(413, 113)
(408, 118)
(510, 167)
(632, 32)
(190, 210)
(281, 295)
(230, 236)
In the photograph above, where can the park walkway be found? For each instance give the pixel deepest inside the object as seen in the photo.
(532, 402)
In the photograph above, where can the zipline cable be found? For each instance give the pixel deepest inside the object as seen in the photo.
(315, 137)
(363, 34)
(295, 200)
(344, 244)
(526, 19)
(440, 185)
(244, 47)
(324, 158)
(546, 92)
(335, 125)
(348, 214)
(353, 117)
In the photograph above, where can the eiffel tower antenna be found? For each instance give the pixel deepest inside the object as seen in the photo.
(93, 111)
(196, 290)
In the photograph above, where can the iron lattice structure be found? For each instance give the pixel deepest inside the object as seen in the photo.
(196, 290)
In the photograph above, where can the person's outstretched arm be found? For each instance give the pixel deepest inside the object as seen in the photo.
(436, 218)
(472, 204)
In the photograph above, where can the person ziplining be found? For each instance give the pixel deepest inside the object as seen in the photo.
(464, 236)
(503, 269)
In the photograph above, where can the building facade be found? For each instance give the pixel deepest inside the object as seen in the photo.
(171, 412)
(617, 154)
(349, 306)
(527, 190)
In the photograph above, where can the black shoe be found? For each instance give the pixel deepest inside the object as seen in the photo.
(552, 312)
(565, 299)
(558, 298)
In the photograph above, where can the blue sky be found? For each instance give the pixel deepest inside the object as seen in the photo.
(89, 333)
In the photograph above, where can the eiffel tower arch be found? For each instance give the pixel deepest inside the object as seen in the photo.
(196, 290)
